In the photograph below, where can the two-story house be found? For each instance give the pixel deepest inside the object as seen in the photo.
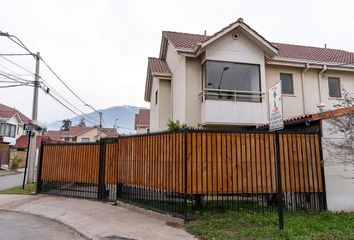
(222, 80)
(12, 124)
(82, 134)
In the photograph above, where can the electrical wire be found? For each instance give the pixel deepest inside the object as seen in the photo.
(65, 106)
(16, 85)
(17, 65)
(56, 75)
(68, 102)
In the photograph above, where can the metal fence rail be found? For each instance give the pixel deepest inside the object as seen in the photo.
(182, 171)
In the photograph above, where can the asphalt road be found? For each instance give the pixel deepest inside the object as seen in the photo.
(11, 181)
(21, 226)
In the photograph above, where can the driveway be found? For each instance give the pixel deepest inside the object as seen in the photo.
(11, 181)
(98, 220)
(21, 226)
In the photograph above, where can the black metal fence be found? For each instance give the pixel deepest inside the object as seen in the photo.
(186, 171)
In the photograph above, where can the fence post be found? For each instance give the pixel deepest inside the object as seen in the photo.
(279, 184)
(185, 178)
(322, 170)
(101, 193)
(39, 169)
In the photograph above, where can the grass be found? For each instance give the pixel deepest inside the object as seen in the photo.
(246, 224)
(29, 189)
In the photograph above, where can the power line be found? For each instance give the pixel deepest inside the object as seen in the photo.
(86, 104)
(16, 85)
(60, 96)
(17, 65)
(15, 54)
(65, 106)
(16, 79)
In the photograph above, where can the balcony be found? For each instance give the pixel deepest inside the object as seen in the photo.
(233, 107)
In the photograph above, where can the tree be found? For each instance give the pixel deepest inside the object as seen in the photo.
(82, 122)
(66, 125)
(341, 148)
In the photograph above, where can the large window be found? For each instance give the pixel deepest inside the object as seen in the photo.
(334, 87)
(227, 81)
(7, 130)
(287, 83)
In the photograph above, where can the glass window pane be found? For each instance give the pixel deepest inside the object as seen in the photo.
(247, 77)
(220, 75)
(334, 87)
(287, 83)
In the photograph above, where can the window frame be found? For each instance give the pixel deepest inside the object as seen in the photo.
(85, 140)
(339, 83)
(292, 83)
(205, 73)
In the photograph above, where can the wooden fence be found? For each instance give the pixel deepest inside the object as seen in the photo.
(4, 153)
(192, 162)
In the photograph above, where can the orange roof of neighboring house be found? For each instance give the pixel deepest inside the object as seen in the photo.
(142, 118)
(8, 112)
(22, 142)
(75, 131)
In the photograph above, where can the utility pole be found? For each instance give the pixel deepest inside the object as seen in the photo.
(101, 119)
(32, 150)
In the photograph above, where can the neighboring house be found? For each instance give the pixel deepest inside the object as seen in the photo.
(142, 121)
(82, 134)
(222, 80)
(12, 124)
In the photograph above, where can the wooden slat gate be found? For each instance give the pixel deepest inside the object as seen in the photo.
(170, 170)
(4, 153)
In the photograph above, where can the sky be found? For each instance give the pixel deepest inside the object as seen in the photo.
(100, 47)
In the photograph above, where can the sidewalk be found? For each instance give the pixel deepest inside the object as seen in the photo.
(94, 219)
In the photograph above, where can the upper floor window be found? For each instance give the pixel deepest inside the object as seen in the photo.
(287, 83)
(232, 81)
(7, 130)
(334, 87)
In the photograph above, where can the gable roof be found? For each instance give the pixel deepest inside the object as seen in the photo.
(75, 131)
(158, 66)
(142, 118)
(8, 112)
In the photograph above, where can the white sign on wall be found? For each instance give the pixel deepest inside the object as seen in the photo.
(275, 108)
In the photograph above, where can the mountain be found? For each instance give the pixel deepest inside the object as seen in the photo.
(125, 115)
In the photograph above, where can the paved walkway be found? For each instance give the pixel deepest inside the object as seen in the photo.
(11, 181)
(97, 220)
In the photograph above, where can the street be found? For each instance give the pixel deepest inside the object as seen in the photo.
(11, 181)
(21, 226)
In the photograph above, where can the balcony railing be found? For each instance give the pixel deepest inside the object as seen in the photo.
(232, 95)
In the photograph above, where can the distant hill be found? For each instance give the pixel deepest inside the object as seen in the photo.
(125, 122)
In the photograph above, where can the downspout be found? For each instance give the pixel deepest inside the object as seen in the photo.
(307, 67)
(323, 70)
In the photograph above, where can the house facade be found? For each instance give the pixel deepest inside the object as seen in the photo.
(222, 80)
(82, 134)
(12, 124)
(142, 121)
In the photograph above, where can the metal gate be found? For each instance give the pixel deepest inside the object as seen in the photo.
(4, 153)
(182, 170)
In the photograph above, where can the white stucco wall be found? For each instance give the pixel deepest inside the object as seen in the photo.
(160, 113)
(292, 103)
(339, 178)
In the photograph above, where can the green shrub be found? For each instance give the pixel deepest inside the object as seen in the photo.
(16, 161)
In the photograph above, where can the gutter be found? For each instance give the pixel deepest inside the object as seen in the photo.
(323, 70)
(307, 67)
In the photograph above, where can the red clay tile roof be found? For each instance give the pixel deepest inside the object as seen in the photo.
(158, 66)
(287, 51)
(314, 54)
(22, 142)
(75, 131)
(8, 112)
(142, 118)
(184, 40)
